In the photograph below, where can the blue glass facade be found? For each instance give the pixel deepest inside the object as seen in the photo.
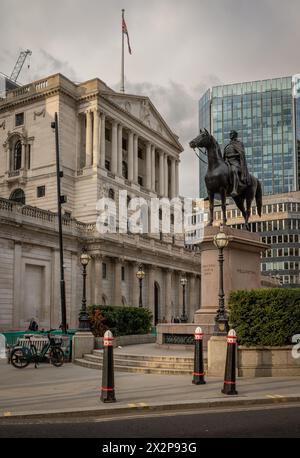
(267, 118)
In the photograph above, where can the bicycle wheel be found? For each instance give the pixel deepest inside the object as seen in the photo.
(18, 358)
(56, 357)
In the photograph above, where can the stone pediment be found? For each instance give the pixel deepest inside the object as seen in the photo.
(143, 109)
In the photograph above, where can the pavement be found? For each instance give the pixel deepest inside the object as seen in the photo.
(72, 390)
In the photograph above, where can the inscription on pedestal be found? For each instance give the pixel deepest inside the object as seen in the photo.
(208, 269)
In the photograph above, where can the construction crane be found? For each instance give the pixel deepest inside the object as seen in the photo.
(19, 64)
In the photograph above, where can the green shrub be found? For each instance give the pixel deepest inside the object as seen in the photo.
(121, 321)
(265, 316)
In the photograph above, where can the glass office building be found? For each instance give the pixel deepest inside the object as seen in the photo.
(266, 115)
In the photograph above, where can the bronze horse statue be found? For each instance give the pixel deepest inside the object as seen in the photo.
(218, 180)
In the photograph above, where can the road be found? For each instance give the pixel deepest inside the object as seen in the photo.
(279, 422)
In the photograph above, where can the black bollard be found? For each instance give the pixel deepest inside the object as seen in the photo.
(198, 374)
(108, 385)
(229, 377)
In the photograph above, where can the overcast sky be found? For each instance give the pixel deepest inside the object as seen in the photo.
(179, 48)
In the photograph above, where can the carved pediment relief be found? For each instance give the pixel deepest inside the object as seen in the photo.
(145, 112)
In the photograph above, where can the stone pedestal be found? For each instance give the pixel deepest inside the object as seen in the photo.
(241, 269)
(83, 343)
(216, 356)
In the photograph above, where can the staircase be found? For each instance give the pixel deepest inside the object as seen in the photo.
(158, 364)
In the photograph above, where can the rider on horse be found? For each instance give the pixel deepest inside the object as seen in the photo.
(234, 156)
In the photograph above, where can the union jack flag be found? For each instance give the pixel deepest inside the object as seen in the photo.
(124, 30)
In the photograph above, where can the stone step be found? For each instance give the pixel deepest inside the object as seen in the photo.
(187, 359)
(120, 361)
(141, 370)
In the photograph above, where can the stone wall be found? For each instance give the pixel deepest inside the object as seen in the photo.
(127, 340)
(267, 362)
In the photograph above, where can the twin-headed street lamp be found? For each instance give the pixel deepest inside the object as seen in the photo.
(221, 241)
(140, 276)
(84, 321)
(183, 282)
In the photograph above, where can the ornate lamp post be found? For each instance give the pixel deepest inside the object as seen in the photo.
(84, 322)
(183, 282)
(140, 276)
(221, 321)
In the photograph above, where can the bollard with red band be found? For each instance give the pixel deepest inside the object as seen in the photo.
(198, 374)
(108, 385)
(229, 377)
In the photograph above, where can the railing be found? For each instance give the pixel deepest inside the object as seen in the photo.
(13, 173)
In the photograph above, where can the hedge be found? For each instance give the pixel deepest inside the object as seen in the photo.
(268, 317)
(121, 321)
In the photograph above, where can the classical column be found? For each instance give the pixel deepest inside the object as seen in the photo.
(161, 174)
(153, 168)
(114, 148)
(173, 178)
(96, 132)
(98, 280)
(177, 178)
(166, 176)
(102, 142)
(135, 285)
(150, 292)
(117, 283)
(148, 167)
(192, 296)
(168, 289)
(135, 159)
(120, 150)
(89, 139)
(130, 156)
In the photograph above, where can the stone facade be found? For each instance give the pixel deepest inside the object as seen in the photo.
(108, 142)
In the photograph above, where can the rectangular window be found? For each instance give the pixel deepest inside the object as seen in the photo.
(124, 144)
(107, 165)
(107, 134)
(104, 270)
(123, 273)
(19, 120)
(140, 181)
(40, 191)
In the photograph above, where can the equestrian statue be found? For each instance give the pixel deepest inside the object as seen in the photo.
(228, 175)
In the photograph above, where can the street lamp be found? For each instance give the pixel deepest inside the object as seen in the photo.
(84, 321)
(183, 282)
(140, 276)
(221, 321)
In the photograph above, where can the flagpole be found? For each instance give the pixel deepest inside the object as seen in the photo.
(122, 89)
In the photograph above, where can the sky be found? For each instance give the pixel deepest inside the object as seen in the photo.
(179, 49)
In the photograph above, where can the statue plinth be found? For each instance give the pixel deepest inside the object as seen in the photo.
(241, 268)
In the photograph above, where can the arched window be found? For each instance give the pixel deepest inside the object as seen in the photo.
(125, 170)
(17, 155)
(18, 195)
(111, 194)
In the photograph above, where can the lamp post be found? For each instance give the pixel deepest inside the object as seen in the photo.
(140, 276)
(84, 322)
(221, 321)
(183, 318)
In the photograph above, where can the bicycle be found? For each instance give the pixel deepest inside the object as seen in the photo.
(21, 356)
